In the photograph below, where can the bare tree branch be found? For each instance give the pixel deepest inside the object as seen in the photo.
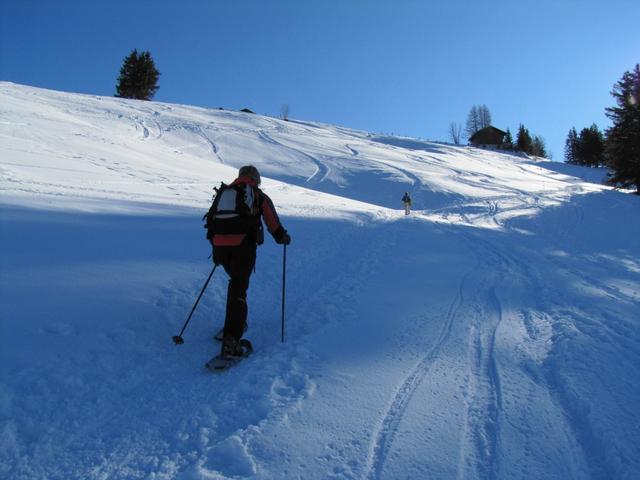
(284, 112)
(455, 131)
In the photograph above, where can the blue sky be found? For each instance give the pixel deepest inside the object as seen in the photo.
(405, 67)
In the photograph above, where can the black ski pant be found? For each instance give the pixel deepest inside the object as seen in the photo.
(238, 262)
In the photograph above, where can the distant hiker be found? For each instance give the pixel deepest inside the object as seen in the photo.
(234, 228)
(406, 199)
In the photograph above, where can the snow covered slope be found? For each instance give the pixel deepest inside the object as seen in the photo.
(491, 334)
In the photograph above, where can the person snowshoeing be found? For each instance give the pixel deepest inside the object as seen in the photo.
(236, 252)
(406, 199)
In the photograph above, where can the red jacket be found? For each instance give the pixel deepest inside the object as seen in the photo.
(265, 208)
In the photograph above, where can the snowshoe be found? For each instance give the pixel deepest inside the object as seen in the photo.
(232, 353)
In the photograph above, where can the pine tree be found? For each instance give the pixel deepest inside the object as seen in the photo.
(590, 147)
(138, 77)
(523, 140)
(571, 147)
(507, 142)
(623, 138)
(539, 147)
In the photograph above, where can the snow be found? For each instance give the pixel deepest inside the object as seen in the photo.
(493, 333)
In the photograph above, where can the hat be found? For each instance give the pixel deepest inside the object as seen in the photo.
(251, 172)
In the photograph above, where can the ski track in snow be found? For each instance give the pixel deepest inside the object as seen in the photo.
(481, 441)
(212, 144)
(584, 444)
(322, 170)
(143, 125)
(388, 426)
(352, 150)
(595, 453)
(481, 450)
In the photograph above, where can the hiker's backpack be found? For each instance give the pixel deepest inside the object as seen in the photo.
(234, 211)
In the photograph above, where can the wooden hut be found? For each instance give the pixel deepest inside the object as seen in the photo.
(488, 137)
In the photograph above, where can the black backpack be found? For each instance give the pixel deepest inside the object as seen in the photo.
(234, 211)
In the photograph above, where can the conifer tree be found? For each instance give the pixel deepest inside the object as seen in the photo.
(138, 77)
(623, 138)
(590, 147)
(507, 142)
(523, 140)
(571, 147)
(539, 147)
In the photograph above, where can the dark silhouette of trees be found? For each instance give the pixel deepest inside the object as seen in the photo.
(507, 142)
(524, 143)
(591, 147)
(571, 147)
(623, 138)
(538, 147)
(138, 77)
(587, 148)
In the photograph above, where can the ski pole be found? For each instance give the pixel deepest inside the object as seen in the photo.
(177, 339)
(284, 277)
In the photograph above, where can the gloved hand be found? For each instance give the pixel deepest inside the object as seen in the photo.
(283, 237)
